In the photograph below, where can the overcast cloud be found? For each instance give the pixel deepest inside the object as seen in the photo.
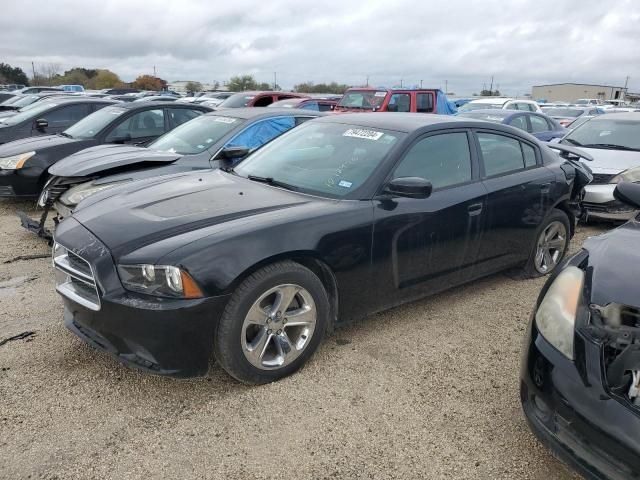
(520, 43)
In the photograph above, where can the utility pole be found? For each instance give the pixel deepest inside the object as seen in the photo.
(624, 91)
(275, 80)
(400, 83)
(33, 69)
(446, 86)
(491, 87)
(421, 84)
(367, 80)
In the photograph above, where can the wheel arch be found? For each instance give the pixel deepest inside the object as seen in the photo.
(563, 205)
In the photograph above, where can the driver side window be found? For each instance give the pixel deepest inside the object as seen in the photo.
(443, 159)
(149, 123)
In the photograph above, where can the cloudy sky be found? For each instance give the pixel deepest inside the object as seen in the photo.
(519, 42)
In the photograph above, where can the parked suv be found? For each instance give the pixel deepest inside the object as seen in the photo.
(256, 99)
(394, 100)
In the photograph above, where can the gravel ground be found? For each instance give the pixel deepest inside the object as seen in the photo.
(427, 390)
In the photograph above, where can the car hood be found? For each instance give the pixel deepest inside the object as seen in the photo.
(612, 257)
(34, 144)
(107, 157)
(7, 113)
(611, 161)
(137, 214)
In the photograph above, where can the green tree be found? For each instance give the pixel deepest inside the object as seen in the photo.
(105, 79)
(149, 82)
(310, 87)
(9, 74)
(241, 83)
(193, 87)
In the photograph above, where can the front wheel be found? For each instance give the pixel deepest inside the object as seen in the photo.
(272, 324)
(552, 243)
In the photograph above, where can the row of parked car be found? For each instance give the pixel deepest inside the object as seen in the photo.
(246, 234)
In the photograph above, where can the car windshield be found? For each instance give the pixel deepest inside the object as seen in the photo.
(563, 112)
(327, 159)
(12, 100)
(89, 126)
(497, 117)
(28, 114)
(238, 100)
(468, 107)
(602, 132)
(196, 135)
(364, 99)
(25, 100)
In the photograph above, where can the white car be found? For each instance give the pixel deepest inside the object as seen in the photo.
(613, 140)
(501, 103)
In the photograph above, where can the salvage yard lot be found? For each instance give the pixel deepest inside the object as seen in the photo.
(427, 390)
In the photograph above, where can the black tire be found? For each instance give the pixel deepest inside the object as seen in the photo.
(530, 270)
(228, 349)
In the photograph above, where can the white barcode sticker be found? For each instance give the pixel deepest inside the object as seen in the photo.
(363, 133)
(225, 120)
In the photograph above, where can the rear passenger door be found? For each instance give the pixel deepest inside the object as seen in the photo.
(518, 188)
(425, 245)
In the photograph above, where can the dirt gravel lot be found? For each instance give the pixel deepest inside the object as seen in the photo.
(428, 390)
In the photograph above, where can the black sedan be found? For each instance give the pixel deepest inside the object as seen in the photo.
(210, 141)
(54, 115)
(24, 163)
(580, 387)
(339, 218)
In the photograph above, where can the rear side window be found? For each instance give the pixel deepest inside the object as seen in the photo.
(264, 101)
(68, 115)
(182, 115)
(326, 107)
(311, 106)
(519, 122)
(442, 159)
(424, 103)
(502, 154)
(149, 123)
(399, 102)
(538, 124)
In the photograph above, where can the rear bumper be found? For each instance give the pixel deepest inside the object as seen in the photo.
(600, 204)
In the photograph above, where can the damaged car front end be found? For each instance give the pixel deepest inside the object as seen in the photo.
(580, 375)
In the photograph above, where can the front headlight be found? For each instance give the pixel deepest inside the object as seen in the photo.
(15, 162)
(76, 194)
(556, 315)
(630, 175)
(159, 280)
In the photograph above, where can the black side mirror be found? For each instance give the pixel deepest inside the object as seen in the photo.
(233, 153)
(42, 124)
(411, 187)
(628, 193)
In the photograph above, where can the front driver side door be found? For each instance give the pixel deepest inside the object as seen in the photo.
(422, 246)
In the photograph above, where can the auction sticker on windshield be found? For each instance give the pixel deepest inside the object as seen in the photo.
(116, 111)
(225, 120)
(363, 133)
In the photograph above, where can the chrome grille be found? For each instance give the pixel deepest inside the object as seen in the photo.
(74, 278)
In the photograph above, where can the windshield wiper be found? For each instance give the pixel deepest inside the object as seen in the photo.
(611, 146)
(270, 181)
(573, 142)
(63, 134)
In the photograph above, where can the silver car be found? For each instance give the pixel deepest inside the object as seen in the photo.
(613, 140)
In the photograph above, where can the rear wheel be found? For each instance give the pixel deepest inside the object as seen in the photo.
(551, 245)
(272, 324)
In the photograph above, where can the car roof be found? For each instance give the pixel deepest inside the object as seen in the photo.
(493, 111)
(140, 105)
(491, 100)
(81, 99)
(400, 122)
(254, 112)
(619, 116)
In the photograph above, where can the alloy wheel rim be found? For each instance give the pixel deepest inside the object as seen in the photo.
(278, 327)
(550, 247)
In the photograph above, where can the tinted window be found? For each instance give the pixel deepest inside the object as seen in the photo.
(66, 116)
(519, 122)
(529, 155)
(196, 136)
(263, 101)
(89, 126)
(237, 100)
(424, 103)
(182, 115)
(149, 123)
(444, 160)
(311, 106)
(538, 124)
(500, 154)
(326, 107)
(399, 102)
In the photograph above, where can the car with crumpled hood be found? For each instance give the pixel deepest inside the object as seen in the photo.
(580, 374)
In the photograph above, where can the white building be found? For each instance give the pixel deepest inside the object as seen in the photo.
(180, 86)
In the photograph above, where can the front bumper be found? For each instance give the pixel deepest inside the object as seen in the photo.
(160, 335)
(600, 204)
(570, 411)
(20, 183)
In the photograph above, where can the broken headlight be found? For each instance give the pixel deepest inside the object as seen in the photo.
(159, 280)
(630, 175)
(78, 193)
(556, 315)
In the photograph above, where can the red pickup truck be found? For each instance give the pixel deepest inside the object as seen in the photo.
(390, 100)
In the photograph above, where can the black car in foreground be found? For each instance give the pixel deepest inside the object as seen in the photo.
(339, 218)
(24, 164)
(580, 377)
(50, 116)
(216, 139)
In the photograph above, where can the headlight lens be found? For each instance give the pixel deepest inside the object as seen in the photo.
(76, 194)
(556, 315)
(631, 175)
(15, 162)
(159, 280)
